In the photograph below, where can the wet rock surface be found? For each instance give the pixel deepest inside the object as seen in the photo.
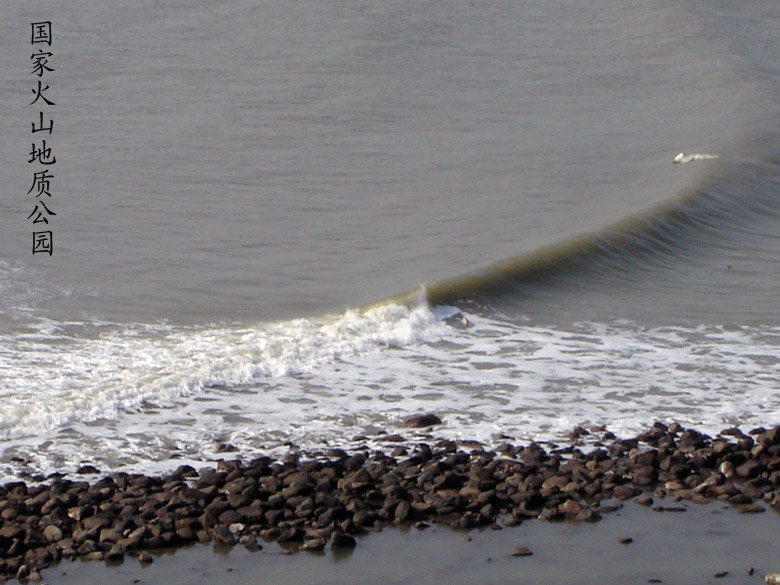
(422, 421)
(310, 504)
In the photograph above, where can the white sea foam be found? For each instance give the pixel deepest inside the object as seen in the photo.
(682, 158)
(152, 397)
(58, 374)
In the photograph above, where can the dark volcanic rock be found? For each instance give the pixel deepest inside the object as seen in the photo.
(421, 421)
(308, 503)
(145, 558)
(339, 539)
(223, 534)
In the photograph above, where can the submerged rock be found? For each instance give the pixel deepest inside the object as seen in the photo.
(458, 321)
(522, 551)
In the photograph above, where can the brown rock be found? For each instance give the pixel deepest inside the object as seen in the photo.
(52, 533)
(340, 540)
(185, 535)
(10, 513)
(94, 555)
(522, 551)
(670, 509)
(314, 544)
(625, 492)
(80, 535)
(223, 534)
(291, 534)
(94, 522)
(230, 517)
(10, 531)
(116, 554)
(570, 508)
(109, 535)
(421, 421)
(588, 515)
(577, 432)
(403, 511)
(750, 469)
(145, 558)
(555, 481)
(645, 476)
(750, 509)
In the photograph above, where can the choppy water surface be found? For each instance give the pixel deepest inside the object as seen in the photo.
(237, 180)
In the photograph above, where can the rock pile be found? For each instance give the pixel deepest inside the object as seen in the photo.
(306, 505)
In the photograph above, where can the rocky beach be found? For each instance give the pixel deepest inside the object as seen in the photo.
(390, 292)
(316, 502)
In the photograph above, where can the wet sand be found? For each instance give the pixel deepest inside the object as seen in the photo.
(690, 547)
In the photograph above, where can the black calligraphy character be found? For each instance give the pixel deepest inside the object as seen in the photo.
(39, 94)
(50, 127)
(42, 243)
(42, 155)
(41, 63)
(41, 183)
(41, 32)
(40, 217)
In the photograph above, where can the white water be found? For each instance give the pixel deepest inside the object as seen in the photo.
(145, 397)
(228, 166)
(69, 372)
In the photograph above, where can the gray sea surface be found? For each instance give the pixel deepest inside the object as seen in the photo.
(265, 160)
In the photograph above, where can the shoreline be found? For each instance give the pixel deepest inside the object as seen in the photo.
(673, 548)
(327, 503)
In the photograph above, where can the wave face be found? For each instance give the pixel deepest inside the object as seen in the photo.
(689, 253)
(435, 141)
(388, 149)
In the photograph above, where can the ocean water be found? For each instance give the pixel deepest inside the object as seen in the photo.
(290, 226)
